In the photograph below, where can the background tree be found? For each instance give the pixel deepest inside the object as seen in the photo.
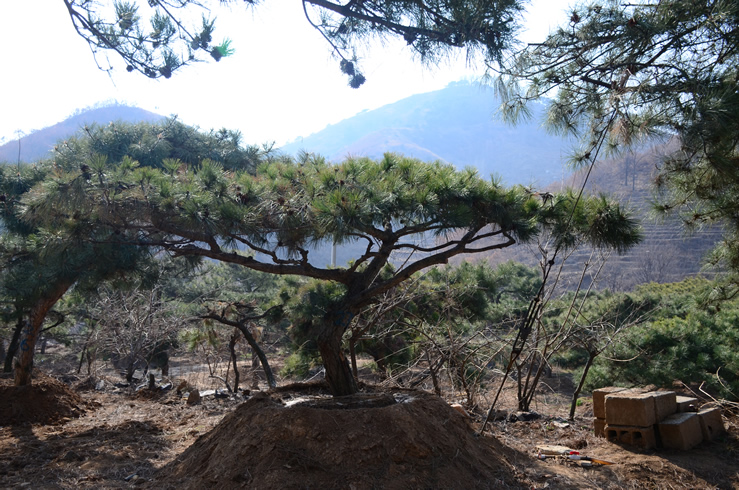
(684, 338)
(428, 212)
(158, 37)
(576, 222)
(42, 263)
(136, 328)
(626, 72)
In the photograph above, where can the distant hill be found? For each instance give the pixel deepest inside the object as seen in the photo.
(456, 124)
(37, 145)
(667, 253)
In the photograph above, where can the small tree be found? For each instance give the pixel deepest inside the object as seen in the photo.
(136, 328)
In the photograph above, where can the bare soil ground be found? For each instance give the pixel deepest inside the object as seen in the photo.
(71, 432)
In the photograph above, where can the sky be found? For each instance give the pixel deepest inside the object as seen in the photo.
(282, 82)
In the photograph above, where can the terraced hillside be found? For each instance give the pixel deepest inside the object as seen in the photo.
(668, 252)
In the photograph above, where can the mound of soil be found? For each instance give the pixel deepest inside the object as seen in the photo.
(45, 401)
(417, 441)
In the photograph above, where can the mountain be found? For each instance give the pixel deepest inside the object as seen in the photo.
(667, 253)
(456, 124)
(37, 145)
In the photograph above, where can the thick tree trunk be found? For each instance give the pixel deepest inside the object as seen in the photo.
(24, 367)
(339, 375)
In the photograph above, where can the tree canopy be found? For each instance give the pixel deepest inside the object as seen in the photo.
(157, 37)
(622, 73)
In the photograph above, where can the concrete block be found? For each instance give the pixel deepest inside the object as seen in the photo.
(599, 400)
(712, 425)
(680, 431)
(599, 427)
(665, 404)
(630, 409)
(686, 404)
(643, 437)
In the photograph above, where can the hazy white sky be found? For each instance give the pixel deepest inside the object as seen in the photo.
(280, 84)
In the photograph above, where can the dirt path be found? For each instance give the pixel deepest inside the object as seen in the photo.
(111, 438)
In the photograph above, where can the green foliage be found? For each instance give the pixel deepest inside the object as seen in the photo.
(155, 41)
(159, 40)
(683, 341)
(309, 308)
(169, 144)
(300, 363)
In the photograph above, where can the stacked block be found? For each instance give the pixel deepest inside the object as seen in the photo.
(681, 431)
(657, 418)
(711, 422)
(643, 437)
(686, 404)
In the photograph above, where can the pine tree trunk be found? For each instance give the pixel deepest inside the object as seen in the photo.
(232, 350)
(13, 347)
(24, 367)
(256, 350)
(338, 372)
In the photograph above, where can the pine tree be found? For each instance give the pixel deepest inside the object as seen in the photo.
(395, 209)
(159, 38)
(626, 73)
(42, 261)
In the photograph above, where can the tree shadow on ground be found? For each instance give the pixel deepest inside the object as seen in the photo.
(101, 457)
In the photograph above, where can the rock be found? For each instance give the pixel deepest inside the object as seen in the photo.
(72, 456)
(459, 408)
(523, 416)
(182, 386)
(194, 397)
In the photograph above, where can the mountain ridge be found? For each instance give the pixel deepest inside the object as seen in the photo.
(39, 143)
(457, 125)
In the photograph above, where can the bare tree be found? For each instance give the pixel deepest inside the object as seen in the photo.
(136, 329)
(243, 317)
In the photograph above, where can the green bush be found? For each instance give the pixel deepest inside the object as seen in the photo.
(702, 347)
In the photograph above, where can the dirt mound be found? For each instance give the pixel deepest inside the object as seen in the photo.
(46, 401)
(417, 442)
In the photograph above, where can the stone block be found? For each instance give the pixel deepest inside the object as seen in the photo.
(643, 437)
(686, 404)
(712, 425)
(599, 427)
(665, 404)
(630, 409)
(599, 400)
(680, 431)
